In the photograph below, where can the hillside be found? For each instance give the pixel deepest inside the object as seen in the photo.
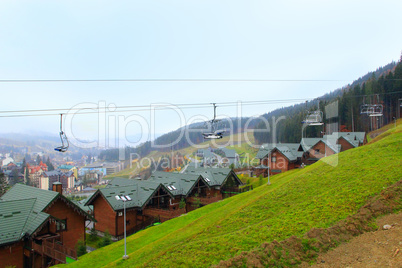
(238, 142)
(318, 196)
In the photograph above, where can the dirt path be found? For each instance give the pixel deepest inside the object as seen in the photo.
(372, 249)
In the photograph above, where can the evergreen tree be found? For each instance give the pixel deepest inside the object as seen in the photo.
(49, 164)
(38, 159)
(3, 184)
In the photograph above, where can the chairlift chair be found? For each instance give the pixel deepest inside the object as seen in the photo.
(376, 110)
(214, 133)
(314, 118)
(64, 141)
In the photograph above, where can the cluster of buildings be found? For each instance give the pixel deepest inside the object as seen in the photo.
(71, 177)
(281, 157)
(161, 197)
(40, 228)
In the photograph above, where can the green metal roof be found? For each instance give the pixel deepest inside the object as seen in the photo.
(176, 183)
(289, 150)
(13, 218)
(21, 210)
(140, 192)
(21, 191)
(117, 181)
(213, 176)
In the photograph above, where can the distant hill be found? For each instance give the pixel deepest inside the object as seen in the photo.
(289, 130)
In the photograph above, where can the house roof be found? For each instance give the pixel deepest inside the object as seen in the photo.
(16, 218)
(177, 183)
(206, 153)
(354, 138)
(24, 205)
(307, 143)
(66, 167)
(139, 193)
(21, 191)
(117, 181)
(213, 176)
(58, 172)
(229, 153)
(289, 150)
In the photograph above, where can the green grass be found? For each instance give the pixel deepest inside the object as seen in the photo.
(317, 196)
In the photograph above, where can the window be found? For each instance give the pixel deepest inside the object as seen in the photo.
(208, 180)
(317, 150)
(273, 159)
(61, 225)
(174, 188)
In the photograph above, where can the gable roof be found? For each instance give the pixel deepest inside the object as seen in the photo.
(21, 191)
(213, 176)
(25, 205)
(354, 138)
(14, 216)
(307, 143)
(289, 150)
(177, 183)
(117, 182)
(140, 193)
(331, 144)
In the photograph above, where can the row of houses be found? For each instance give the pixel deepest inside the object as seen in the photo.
(163, 196)
(281, 157)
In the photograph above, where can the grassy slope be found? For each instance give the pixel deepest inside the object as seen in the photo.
(316, 196)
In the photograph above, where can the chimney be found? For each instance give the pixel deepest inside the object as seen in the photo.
(58, 187)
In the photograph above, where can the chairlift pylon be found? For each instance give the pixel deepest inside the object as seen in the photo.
(215, 133)
(64, 141)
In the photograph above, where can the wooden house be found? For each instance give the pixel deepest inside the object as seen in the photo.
(39, 228)
(278, 158)
(163, 196)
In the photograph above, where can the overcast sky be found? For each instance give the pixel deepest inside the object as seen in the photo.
(278, 40)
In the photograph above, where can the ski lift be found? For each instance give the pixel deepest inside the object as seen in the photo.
(376, 110)
(215, 133)
(314, 118)
(64, 141)
(372, 109)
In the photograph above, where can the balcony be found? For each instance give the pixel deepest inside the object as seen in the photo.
(47, 245)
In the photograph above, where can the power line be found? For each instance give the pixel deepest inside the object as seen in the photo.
(138, 108)
(165, 80)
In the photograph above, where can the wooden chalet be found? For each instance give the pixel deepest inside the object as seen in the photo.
(108, 211)
(278, 158)
(39, 228)
(222, 182)
(165, 195)
(287, 156)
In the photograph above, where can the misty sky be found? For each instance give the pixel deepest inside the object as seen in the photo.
(279, 40)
